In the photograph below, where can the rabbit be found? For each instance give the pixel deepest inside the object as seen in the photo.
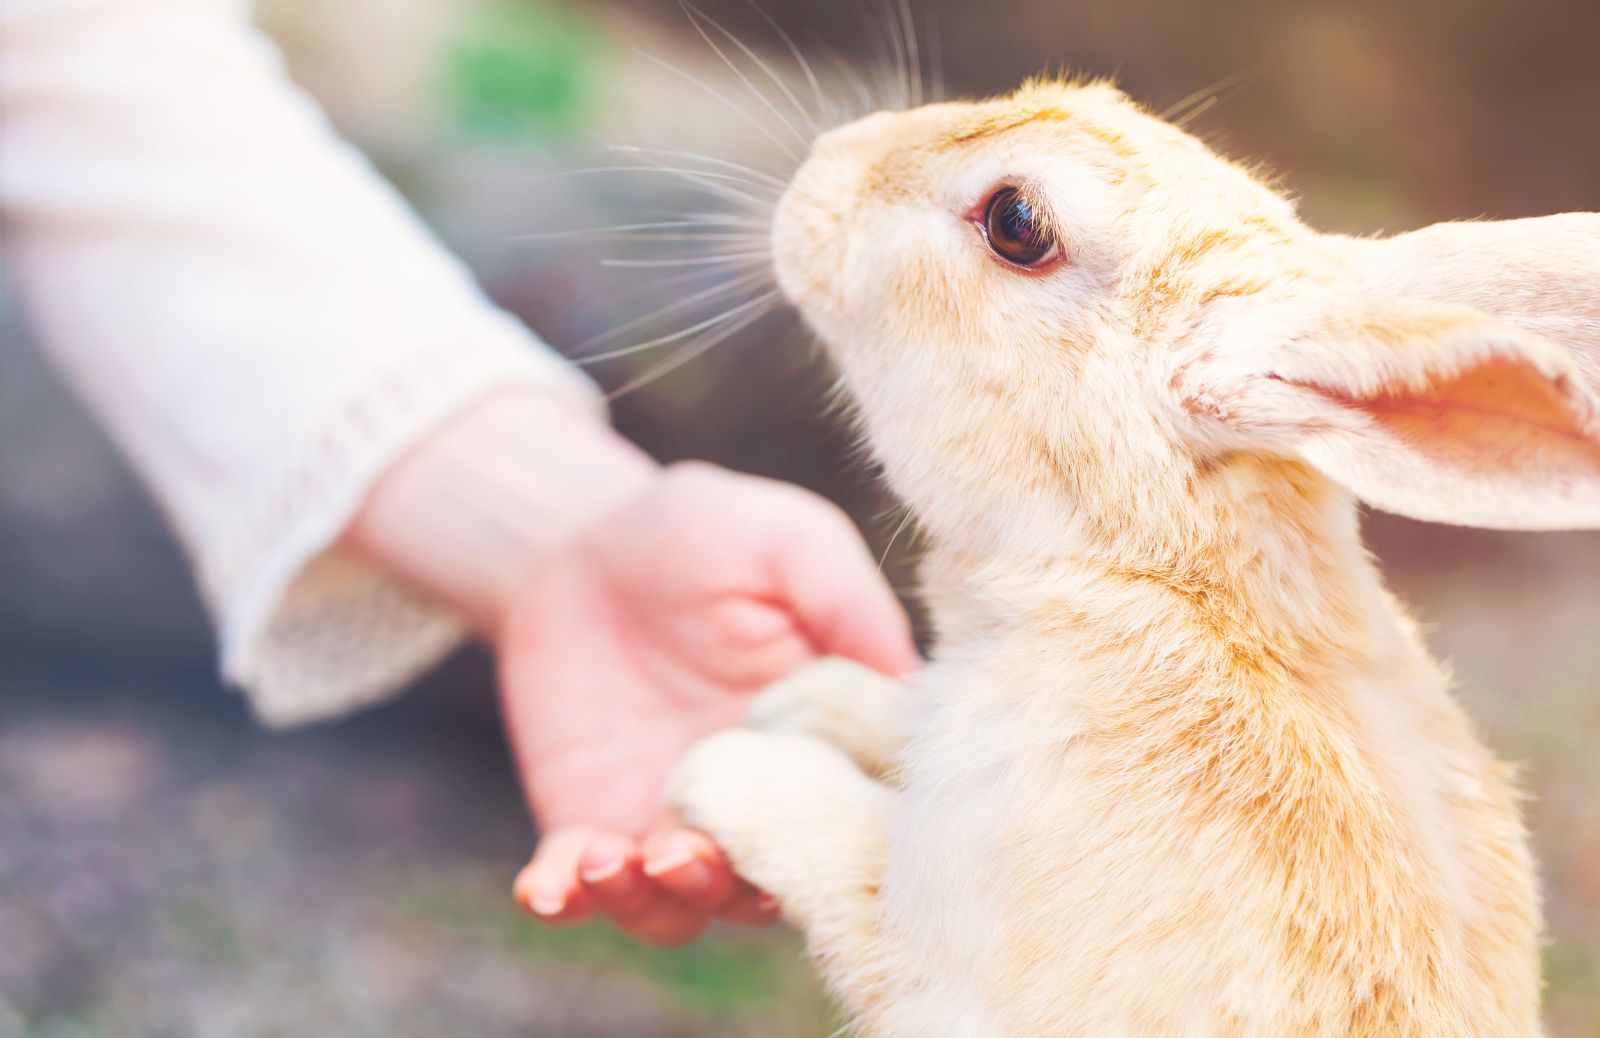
(1179, 763)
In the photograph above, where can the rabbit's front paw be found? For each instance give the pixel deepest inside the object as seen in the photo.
(774, 803)
(842, 703)
(815, 699)
(725, 786)
(710, 788)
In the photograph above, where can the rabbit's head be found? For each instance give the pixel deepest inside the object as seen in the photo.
(1059, 314)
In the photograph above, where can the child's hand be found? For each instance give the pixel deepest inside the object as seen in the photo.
(650, 632)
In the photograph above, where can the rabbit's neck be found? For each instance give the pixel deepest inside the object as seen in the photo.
(1255, 559)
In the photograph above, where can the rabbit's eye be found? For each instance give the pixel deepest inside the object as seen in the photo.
(1014, 231)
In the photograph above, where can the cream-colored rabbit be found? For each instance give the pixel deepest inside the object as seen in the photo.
(1180, 765)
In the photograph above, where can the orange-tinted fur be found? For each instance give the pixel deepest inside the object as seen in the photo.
(1180, 765)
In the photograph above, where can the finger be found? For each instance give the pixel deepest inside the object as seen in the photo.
(548, 887)
(612, 870)
(839, 596)
(750, 906)
(664, 922)
(689, 866)
(613, 876)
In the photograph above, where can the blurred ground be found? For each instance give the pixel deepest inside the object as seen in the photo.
(168, 869)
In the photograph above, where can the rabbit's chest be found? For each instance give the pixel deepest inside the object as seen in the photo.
(1047, 860)
(940, 889)
(947, 889)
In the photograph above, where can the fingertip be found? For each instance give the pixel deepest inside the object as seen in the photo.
(605, 853)
(549, 896)
(667, 849)
(612, 876)
(524, 888)
(846, 606)
(910, 662)
(688, 865)
(889, 646)
(670, 848)
(891, 653)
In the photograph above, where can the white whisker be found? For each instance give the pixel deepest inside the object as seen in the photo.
(1220, 86)
(936, 87)
(731, 250)
(560, 173)
(913, 55)
(720, 184)
(746, 116)
(898, 530)
(622, 228)
(767, 178)
(1196, 112)
(729, 219)
(690, 276)
(688, 302)
(897, 50)
(729, 258)
(745, 219)
(689, 353)
(849, 73)
(724, 239)
(885, 63)
(628, 351)
(694, 14)
(799, 59)
(765, 68)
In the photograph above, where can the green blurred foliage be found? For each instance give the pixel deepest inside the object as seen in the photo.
(514, 67)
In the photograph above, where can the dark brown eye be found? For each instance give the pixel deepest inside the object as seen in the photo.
(1014, 231)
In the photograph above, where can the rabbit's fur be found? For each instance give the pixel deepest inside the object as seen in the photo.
(1180, 765)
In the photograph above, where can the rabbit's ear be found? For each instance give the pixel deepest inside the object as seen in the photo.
(1540, 274)
(1433, 411)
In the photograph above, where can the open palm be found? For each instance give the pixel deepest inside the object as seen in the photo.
(648, 634)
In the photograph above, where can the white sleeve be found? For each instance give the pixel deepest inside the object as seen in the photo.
(253, 313)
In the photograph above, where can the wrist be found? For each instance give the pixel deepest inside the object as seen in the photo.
(489, 497)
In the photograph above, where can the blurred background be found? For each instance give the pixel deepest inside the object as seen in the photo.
(166, 868)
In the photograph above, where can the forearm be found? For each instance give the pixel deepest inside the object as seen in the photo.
(470, 512)
(261, 325)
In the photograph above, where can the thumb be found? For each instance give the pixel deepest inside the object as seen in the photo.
(840, 599)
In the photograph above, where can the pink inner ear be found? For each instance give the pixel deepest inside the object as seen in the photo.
(1499, 414)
